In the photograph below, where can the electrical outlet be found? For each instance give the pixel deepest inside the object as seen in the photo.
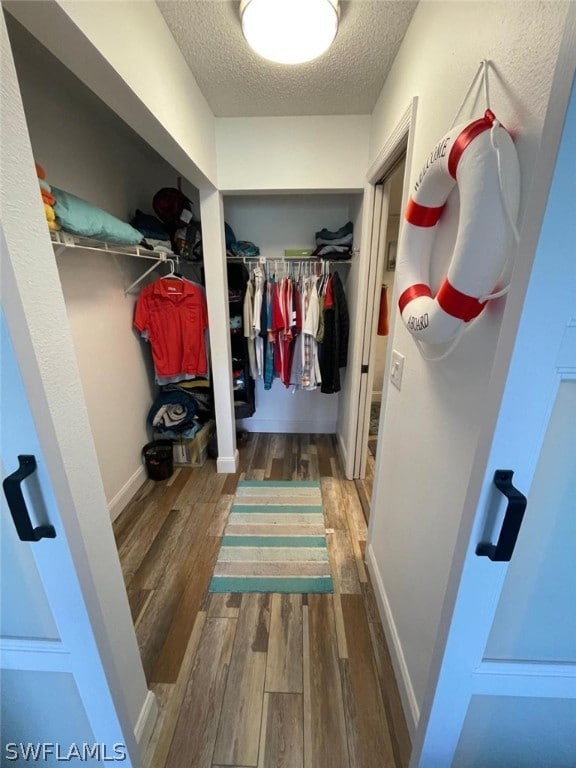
(397, 369)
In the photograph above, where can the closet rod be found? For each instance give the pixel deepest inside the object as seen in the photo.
(163, 260)
(297, 263)
(286, 267)
(284, 260)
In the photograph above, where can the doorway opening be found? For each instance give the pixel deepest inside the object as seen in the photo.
(386, 229)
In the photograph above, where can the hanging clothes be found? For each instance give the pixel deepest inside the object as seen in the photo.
(256, 322)
(311, 374)
(171, 314)
(242, 381)
(281, 329)
(334, 350)
(293, 340)
(271, 338)
(249, 330)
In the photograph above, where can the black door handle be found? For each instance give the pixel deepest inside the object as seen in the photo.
(17, 505)
(502, 551)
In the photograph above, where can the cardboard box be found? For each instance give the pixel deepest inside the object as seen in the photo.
(193, 452)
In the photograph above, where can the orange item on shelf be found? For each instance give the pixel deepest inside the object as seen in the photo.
(47, 197)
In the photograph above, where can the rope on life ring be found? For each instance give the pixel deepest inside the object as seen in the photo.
(480, 158)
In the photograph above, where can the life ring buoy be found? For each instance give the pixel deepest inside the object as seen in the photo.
(481, 159)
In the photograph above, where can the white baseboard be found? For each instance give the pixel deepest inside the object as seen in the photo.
(344, 456)
(121, 499)
(146, 721)
(287, 427)
(407, 695)
(228, 464)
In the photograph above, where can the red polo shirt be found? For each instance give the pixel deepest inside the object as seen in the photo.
(173, 313)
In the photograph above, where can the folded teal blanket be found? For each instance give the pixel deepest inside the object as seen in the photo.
(82, 218)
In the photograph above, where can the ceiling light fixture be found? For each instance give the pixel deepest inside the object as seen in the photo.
(289, 31)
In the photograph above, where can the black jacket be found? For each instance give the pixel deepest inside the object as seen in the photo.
(334, 348)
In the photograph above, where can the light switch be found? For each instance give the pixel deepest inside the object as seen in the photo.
(397, 369)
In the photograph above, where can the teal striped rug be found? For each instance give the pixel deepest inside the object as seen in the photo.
(275, 540)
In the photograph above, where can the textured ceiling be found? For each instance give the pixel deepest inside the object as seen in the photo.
(236, 82)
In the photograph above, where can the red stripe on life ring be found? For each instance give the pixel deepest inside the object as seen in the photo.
(422, 215)
(468, 135)
(414, 292)
(458, 304)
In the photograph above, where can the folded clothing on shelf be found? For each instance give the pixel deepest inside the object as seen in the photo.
(335, 245)
(243, 248)
(326, 234)
(234, 247)
(196, 385)
(46, 192)
(158, 246)
(332, 252)
(48, 199)
(346, 240)
(150, 227)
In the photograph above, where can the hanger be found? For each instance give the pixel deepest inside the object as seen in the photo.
(172, 274)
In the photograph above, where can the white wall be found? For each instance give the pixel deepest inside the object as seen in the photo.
(82, 144)
(430, 430)
(36, 317)
(292, 153)
(126, 54)
(86, 149)
(275, 223)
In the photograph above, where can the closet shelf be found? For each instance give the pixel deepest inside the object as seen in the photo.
(64, 240)
(284, 260)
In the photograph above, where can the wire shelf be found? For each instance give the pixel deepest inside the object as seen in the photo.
(63, 240)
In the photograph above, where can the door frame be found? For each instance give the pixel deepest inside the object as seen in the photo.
(380, 227)
(399, 143)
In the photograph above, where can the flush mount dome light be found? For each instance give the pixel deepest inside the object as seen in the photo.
(289, 31)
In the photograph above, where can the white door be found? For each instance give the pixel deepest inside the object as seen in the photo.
(55, 700)
(506, 693)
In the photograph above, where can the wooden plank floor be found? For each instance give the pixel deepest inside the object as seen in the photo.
(258, 681)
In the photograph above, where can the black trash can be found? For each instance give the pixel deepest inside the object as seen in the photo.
(159, 459)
